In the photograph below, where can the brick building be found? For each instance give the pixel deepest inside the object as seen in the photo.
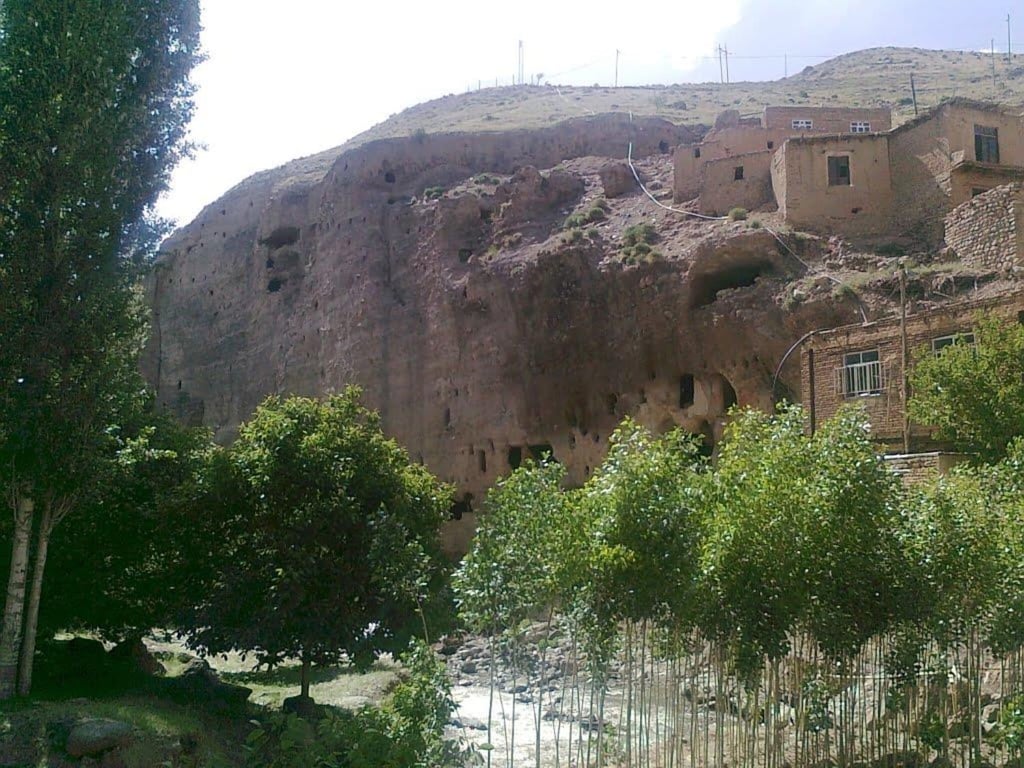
(732, 165)
(863, 363)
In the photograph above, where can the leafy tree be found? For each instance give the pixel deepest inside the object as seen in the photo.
(974, 394)
(322, 538)
(123, 567)
(94, 102)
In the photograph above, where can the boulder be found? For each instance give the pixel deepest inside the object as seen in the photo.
(198, 682)
(136, 655)
(303, 706)
(92, 737)
(617, 179)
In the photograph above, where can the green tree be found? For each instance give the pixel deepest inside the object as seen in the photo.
(322, 539)
(974, 394)
(94, 102)
(124, 566)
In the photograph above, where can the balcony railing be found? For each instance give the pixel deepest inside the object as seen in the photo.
(860, 379)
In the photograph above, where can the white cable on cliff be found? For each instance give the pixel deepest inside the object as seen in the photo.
(629, 159)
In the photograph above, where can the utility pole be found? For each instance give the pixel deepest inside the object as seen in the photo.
(904, 385)
(727, 64)
(785, 65)
(521, 62)
(913, 92)
(721, 71)
(617, 67)
(1009, 50)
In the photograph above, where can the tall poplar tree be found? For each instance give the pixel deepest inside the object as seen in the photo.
(95, 98)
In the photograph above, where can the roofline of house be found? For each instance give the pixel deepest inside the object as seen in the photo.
(960, 306)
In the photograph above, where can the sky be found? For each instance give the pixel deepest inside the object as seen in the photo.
(288, 79)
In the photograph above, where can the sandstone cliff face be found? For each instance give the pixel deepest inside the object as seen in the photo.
(436, 273)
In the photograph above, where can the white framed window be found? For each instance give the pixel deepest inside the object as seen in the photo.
(861, 374)
(860, 126)
(941, 342)
(803, 125)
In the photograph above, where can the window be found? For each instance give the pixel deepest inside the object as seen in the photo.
(737, 173)
(771, 145)
(803, 125)
(940, 343)
(861, 374)
(696, 152)
(986, 144)
(859, 126)
(839, 171)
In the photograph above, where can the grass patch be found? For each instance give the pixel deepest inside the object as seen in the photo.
(33, 732)
(637, 244)
(738, 214)
(433, 193)
(597, 212)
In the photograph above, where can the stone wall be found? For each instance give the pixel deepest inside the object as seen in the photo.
(917, 468)
(824, 352)
(722, 191)
(986, 231)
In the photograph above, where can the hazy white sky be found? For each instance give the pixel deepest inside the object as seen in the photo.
(287, 79)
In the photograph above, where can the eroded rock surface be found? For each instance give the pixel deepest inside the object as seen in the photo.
(438, 272)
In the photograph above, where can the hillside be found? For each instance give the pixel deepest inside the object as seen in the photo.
(876, 76)
(872, 77)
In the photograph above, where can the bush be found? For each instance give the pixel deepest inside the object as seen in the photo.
(597, 212)
(636, 244)
(433, 193)
(738, 214)
(405, 732)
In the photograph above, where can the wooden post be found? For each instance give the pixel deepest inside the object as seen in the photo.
(904, 384)
(913, 92)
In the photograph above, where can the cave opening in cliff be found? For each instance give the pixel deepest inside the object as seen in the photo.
(463, 506)
(389, 177)
(541, 451)
(515, 456)
(708, 285)
(686, 390)
(729, 398)
(275, 285)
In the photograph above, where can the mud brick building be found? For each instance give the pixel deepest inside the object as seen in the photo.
(902, 182)
(732, 165)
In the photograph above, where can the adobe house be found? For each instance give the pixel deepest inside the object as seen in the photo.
(864, 363)
(902, 182)
(732, 165)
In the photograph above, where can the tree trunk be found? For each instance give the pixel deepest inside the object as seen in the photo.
(14, 606)
(305, 677)
(28, 642)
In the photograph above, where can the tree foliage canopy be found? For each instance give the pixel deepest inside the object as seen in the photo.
(974, 393)
(321, 537)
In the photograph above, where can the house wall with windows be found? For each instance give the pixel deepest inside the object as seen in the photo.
(935, 162)
(862, 363)
(901, 183)
(828, 119)
(743, 181)
(734, 136)
(813, 192)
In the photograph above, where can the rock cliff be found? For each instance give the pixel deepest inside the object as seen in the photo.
(496, 295)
